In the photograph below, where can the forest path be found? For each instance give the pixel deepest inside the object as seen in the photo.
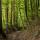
(24, 35)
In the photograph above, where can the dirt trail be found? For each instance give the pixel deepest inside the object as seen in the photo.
(25, 35)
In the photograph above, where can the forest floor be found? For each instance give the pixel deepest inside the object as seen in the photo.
(24, 35)
(32, 33)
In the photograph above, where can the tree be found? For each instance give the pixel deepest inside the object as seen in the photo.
(0, 17)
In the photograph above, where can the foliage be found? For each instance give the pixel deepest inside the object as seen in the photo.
(20, 12)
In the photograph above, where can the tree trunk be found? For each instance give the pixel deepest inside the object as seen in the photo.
(0, 17)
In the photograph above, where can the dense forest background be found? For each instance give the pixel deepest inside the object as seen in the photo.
(20, 19)
(20, 14)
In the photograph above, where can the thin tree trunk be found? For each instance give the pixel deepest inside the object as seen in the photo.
(0, 17)
(7, 17)
(26, 10)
